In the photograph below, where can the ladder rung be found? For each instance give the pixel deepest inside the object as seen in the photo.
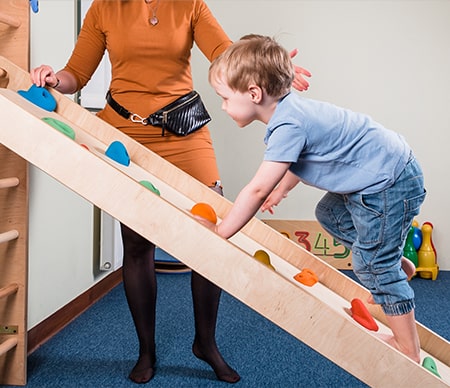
(8, 290)
(9, 20)
(9, 182)
(8, 345)
(8, 236)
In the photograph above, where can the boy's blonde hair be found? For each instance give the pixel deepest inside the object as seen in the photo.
(255, 59)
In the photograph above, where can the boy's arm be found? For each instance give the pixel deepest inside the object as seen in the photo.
(288, 182)
(251, 197)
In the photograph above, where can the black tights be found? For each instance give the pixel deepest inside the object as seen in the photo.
(139, 281)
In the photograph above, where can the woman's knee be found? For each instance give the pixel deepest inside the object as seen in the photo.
(134, 245)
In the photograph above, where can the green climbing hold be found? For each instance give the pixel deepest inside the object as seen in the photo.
(150, 186)
(60, 126)
(428, 363)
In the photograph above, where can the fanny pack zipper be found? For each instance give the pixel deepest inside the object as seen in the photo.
(165, 113)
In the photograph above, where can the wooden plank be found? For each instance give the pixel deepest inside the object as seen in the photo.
(314, 315)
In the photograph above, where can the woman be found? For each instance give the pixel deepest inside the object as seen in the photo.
(149, 44)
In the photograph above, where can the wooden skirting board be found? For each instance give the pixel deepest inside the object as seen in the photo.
(315, 315)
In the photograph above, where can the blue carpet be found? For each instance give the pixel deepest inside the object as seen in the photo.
(99, 348)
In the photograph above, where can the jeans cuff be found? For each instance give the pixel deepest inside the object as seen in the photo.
(400, 308)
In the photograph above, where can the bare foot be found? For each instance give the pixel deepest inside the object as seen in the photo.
(222, 370)
(408, 267)
(390, 339)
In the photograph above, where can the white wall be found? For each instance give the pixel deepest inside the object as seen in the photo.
(390, 59)
(61, 224)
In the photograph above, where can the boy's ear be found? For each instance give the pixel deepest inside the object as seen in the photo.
(255, 93)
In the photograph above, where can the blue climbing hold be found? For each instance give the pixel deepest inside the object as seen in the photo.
(40, 97)
(34, 5)
(117, 152)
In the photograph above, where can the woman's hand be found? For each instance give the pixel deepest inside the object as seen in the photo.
(300, 83)
(44, 75)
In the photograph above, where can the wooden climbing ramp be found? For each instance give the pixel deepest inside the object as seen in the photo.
(316, 315)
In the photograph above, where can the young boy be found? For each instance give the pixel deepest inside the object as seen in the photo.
(374, 185)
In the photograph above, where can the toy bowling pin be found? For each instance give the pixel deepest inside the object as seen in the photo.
(426, 255)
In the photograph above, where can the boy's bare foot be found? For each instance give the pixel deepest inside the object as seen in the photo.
(390, 339)
(408, 267)
(405, 338)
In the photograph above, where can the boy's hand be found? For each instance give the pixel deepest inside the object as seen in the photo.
(300, 83)
(274, 198)
(207, 223)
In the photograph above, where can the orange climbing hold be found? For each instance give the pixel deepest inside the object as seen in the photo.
(361, 315)
(205, 211)
(307, 277)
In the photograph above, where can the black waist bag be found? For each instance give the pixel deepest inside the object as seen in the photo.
(181, 117)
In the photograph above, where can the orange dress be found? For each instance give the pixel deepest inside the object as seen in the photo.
(151, 68)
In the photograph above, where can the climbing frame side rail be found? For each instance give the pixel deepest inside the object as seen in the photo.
(14, 45)
(13, 264)
(15, 31)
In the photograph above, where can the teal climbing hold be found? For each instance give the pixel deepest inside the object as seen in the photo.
(117, 152)
(40, 97)
(150, 186)
(60, 126)
(428, 363)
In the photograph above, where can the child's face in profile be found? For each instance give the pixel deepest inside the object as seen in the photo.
(238, 105)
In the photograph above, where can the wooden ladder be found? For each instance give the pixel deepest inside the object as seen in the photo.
(14, 37)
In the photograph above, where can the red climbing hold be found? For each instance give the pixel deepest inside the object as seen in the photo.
(361, 315)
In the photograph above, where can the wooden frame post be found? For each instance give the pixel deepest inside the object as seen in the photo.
(15, 45)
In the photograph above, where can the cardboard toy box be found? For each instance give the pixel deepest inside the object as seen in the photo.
(315, 239)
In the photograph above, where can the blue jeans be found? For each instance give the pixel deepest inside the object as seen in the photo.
(374, 227)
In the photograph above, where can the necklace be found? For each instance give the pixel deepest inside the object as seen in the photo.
(153, 20)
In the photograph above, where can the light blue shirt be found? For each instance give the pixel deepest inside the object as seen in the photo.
(333, 148)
